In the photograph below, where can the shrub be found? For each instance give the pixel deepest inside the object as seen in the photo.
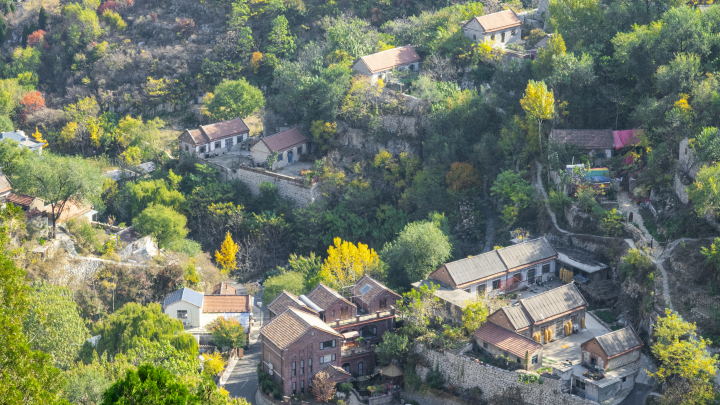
(435, 378)
(345, 388)
(114, 20)
(108, 5)
(559, 201)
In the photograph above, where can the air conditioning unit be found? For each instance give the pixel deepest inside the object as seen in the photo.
(185, 323)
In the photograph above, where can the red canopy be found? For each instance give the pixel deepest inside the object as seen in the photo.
(628, 137)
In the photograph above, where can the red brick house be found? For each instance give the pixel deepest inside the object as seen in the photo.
(612, 350)
(296, 345)
(334, 307)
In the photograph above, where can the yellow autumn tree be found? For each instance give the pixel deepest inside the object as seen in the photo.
(539, 104)
(39, 138)
(255, 61)
(68, 132)
(226, 257)
(346, 263)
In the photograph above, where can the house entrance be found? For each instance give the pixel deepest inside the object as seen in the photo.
(290, 157)
(531, 276)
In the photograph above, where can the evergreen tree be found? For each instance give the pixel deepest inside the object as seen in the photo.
(42, 18)
(280, 41)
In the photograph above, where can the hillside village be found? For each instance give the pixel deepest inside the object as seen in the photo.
(327, 202)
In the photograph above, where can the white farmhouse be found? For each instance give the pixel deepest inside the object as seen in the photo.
(499, 29)
(381, 64)
(23, 140)
(288, 144)
(218, 138)
(196, 310)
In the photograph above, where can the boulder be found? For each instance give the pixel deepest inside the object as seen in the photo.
(140, 251)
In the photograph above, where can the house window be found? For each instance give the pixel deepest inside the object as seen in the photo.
(502, 37)
(580, 384)
(302, 387)
(534, 359)
(294, 369)
(624, 379)
(474, 37)
(202, 149)
(302, 367)
(187, 148)
(492, 37)
(294, 389)
(383, 303)
(217, 145)
(182, 314)
(360, 368)
(333, 312)
(546, 268)
(343, 312)
(327, 344)
(322, 359)
(333, 357)
(300, 149)
(496, 284)
(280, 157)
(485, 346)
(518, 360)
(480, 289)
(310, 366)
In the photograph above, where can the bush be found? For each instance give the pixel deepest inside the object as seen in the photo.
(266, 383)
(435, 378)
(559, 201)
(187, 246)
(87, 238)
(345, 388)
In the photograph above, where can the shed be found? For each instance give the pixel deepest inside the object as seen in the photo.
(288, 144)
(597, 142)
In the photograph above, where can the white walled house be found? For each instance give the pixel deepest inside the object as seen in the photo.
(380, 65)
(196, 310)
(499, 29)
(23, 140)
(288, 144)
(218, 138)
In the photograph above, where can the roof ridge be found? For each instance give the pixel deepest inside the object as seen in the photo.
(391, 49)
(568, 285)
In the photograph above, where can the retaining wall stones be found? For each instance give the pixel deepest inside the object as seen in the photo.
(464, 372)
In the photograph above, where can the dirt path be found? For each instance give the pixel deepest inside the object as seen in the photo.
(491, 219)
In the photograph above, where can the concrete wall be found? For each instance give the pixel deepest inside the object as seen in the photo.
(193, 312)
(624, 359)
(464, 372)
(498, 39)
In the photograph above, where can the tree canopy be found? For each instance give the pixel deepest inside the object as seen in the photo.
(234, 99)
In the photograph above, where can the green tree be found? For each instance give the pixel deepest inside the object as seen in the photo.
(279, 40)
(418, 250)
(417, 308)
(291, 281)
(28, 376)
(151, 385)
(514, 192)
(140, 195)
(474, 315)
(705, 191)
(232, 99)
(539, 105)
(580, 22)
(323, 133)
(53, 325)
(227, 333)
(59, 180)
(160, 354)
(163, 223)
(394, 346)
(42, 18)
(120, 331)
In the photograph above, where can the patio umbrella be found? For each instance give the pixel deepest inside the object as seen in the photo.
(391, 371)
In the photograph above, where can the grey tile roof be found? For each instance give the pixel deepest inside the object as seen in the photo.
(585, 138)
(184, 294)
(527, 252)
(554, 302)
(619, 341)
(517, 316)
(367, 289)
(286, 300)
(476, 267)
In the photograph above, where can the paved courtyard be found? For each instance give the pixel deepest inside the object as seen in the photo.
(556, 351)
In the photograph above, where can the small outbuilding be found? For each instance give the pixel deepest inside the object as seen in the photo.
(599, 143)
(499, 29)
(612, 350)
(289, 145)
(218, 138)
(380, 65)
(499, 341)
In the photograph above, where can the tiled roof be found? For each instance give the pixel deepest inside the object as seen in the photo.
(517, 316)
(4, 184)
(526, 252)
(70, 211)
(226, 303)
(21, 200)
(324, 296)
(335, 372)
(585, 138)
(554, 302)
(184, 294)
(224, 129)
(376, 288)
(499, 261)
(499, 21)
(386, 60)
(287, 327)
(286, 300)
(192, 136)
(619, 341)
(506, 340)
(224, 288)
(285, 140)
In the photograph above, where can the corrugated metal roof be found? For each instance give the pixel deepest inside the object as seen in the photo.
(184, 294)
(476, 267)
(619, 341)
(506, 340)
(517, 317)
(527, 252)
(554, 302)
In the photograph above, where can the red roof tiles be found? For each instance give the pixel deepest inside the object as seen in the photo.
(499, 21)
(506, 340)
(391, 58)
(22, 200)
(285, 140)
(213, 132)
(226, 303)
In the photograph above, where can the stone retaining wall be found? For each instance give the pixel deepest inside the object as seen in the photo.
(430, 398)
(464, 372)
(606, 248)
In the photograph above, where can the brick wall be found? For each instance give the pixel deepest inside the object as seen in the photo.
(464, 372)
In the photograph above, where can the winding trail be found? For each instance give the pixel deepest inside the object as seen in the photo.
(490, 221)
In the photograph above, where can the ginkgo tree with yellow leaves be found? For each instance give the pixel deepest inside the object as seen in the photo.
(539, 104)
(347, 262)
(227, 256)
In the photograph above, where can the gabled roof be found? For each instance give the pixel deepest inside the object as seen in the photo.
(5, 185)
(506, 340)
(554, 302)
(285, 140)
(367, 289)
(527, 252)
(517, 316)
(391, 58)
(213, 132)
(292, 324)
(184, 294)
(224, 289)
(286, 300)
(324, 296)
(584, 138)
(499, 21)
(618, 342)
(22, 200)
(226, 303)
(334, 372)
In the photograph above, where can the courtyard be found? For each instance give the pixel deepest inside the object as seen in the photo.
(568, 348)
